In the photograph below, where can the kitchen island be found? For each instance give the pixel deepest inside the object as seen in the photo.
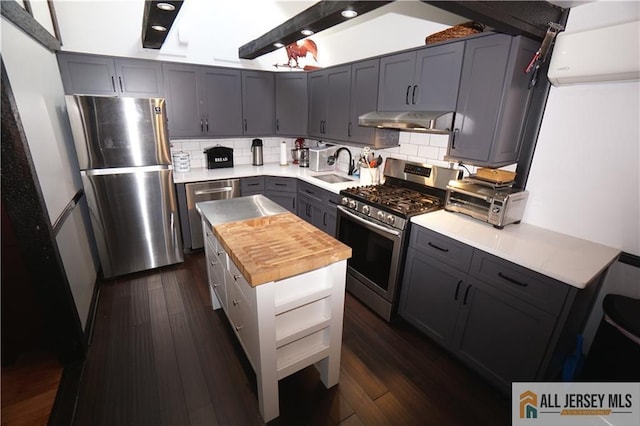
(281, 283)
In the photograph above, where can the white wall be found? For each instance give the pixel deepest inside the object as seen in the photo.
(585, 180)
(37, 87)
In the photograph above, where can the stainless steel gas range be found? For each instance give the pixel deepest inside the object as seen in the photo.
(374, 221)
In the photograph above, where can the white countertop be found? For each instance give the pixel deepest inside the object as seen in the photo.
(271, 169)
(571, 260)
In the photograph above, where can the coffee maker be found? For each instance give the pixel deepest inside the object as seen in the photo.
(256, 152)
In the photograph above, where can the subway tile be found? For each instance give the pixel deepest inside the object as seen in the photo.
(420, 138)
(409, 149)
(439, 140)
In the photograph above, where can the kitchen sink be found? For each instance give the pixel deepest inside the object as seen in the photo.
(333, 178)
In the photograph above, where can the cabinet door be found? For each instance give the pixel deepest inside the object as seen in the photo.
(500, 336)
(396, 81)
(338, 99)
(142, 79)
(292, 104)
(437, 77)
(183, 101)
(480, 97)
(87, 75)
(222, 101)
(430, 296)
(364, 99)
(285, 199)
(257, 103)
(317, 103)
(309, 210)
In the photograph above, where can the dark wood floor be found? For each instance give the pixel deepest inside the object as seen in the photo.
(161, 356)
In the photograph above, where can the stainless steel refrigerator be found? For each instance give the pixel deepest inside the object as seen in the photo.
(125, 164)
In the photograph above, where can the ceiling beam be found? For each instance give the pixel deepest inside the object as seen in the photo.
(320, 16)
(527, 18)
(154, 16)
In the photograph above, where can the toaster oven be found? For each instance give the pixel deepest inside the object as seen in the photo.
(497, 206)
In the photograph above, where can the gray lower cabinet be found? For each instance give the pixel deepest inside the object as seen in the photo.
(203, 101)
(505, 321)
(292, 104)
(107, 76)
(252, 185)
(422, 80)
(258, 103)
(492, 100)
(283, 191)
(318, 207)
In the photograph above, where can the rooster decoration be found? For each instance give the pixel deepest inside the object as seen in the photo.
(299, 50)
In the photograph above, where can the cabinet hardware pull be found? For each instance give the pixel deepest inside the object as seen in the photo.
(235, 302)
(349, 130)
(512, 280)
(280, 184)
(238, 327)
(277, 124)
(220, 253)
(207, 123)
(466, 293)
(201, 125)
(120, 81)
(457, 290)
(113, 83)
(413, 95)
(216, 285)
(245, 124)
(453, 138)
(437, 248)
(324, 219)
(212, 263)
(406, 96)
(236, 277)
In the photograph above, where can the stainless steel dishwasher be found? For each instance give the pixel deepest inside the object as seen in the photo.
(206, 191)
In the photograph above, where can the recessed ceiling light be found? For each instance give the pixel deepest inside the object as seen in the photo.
(166, 6)
(306, 32)
(349, 13)
(278, 45)
(159, 28)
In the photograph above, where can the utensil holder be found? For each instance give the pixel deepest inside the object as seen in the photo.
(369, 176)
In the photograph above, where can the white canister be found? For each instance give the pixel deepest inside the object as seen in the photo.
(369, 176)
(181, 162)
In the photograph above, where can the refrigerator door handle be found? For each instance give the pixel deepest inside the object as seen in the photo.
(123, 170)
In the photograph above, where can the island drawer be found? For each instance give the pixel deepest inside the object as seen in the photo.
(443, 248)
(274, 183)
(525, 284)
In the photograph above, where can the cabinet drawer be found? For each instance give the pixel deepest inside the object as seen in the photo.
(243, 320)
(274, 183)
(252, 185)
(311, 191)
(530, 286)
(438, 246)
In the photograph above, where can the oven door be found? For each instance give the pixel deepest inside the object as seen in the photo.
(375, 252)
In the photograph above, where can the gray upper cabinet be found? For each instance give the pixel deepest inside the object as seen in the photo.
(292, 104)
(258, 103)
(222, 100)
(329, 99)
(364, 99)
(203, 101)
(422, 80)
(106, 76)
(492, 101)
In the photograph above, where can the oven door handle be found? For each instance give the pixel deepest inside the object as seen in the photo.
(368, 223)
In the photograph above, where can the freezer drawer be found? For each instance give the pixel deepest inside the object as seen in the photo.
(206, 191)
(134, 217)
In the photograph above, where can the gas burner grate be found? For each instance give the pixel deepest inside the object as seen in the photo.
(395, 198)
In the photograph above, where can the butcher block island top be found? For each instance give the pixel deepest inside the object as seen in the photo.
(272, 248)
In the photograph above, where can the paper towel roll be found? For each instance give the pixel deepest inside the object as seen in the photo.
(283, 153)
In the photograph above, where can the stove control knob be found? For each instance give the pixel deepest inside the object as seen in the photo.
(366, 210)
(381, 216)
(391, 219)
(344, 201)
(352, 204)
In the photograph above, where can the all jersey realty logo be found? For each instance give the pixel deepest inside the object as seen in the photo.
(573, 403)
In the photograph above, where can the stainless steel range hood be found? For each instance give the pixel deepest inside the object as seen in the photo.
(440, 122)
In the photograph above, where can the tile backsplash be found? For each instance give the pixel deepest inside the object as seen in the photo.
(414, 146)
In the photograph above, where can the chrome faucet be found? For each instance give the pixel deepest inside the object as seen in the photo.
(333, 159)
